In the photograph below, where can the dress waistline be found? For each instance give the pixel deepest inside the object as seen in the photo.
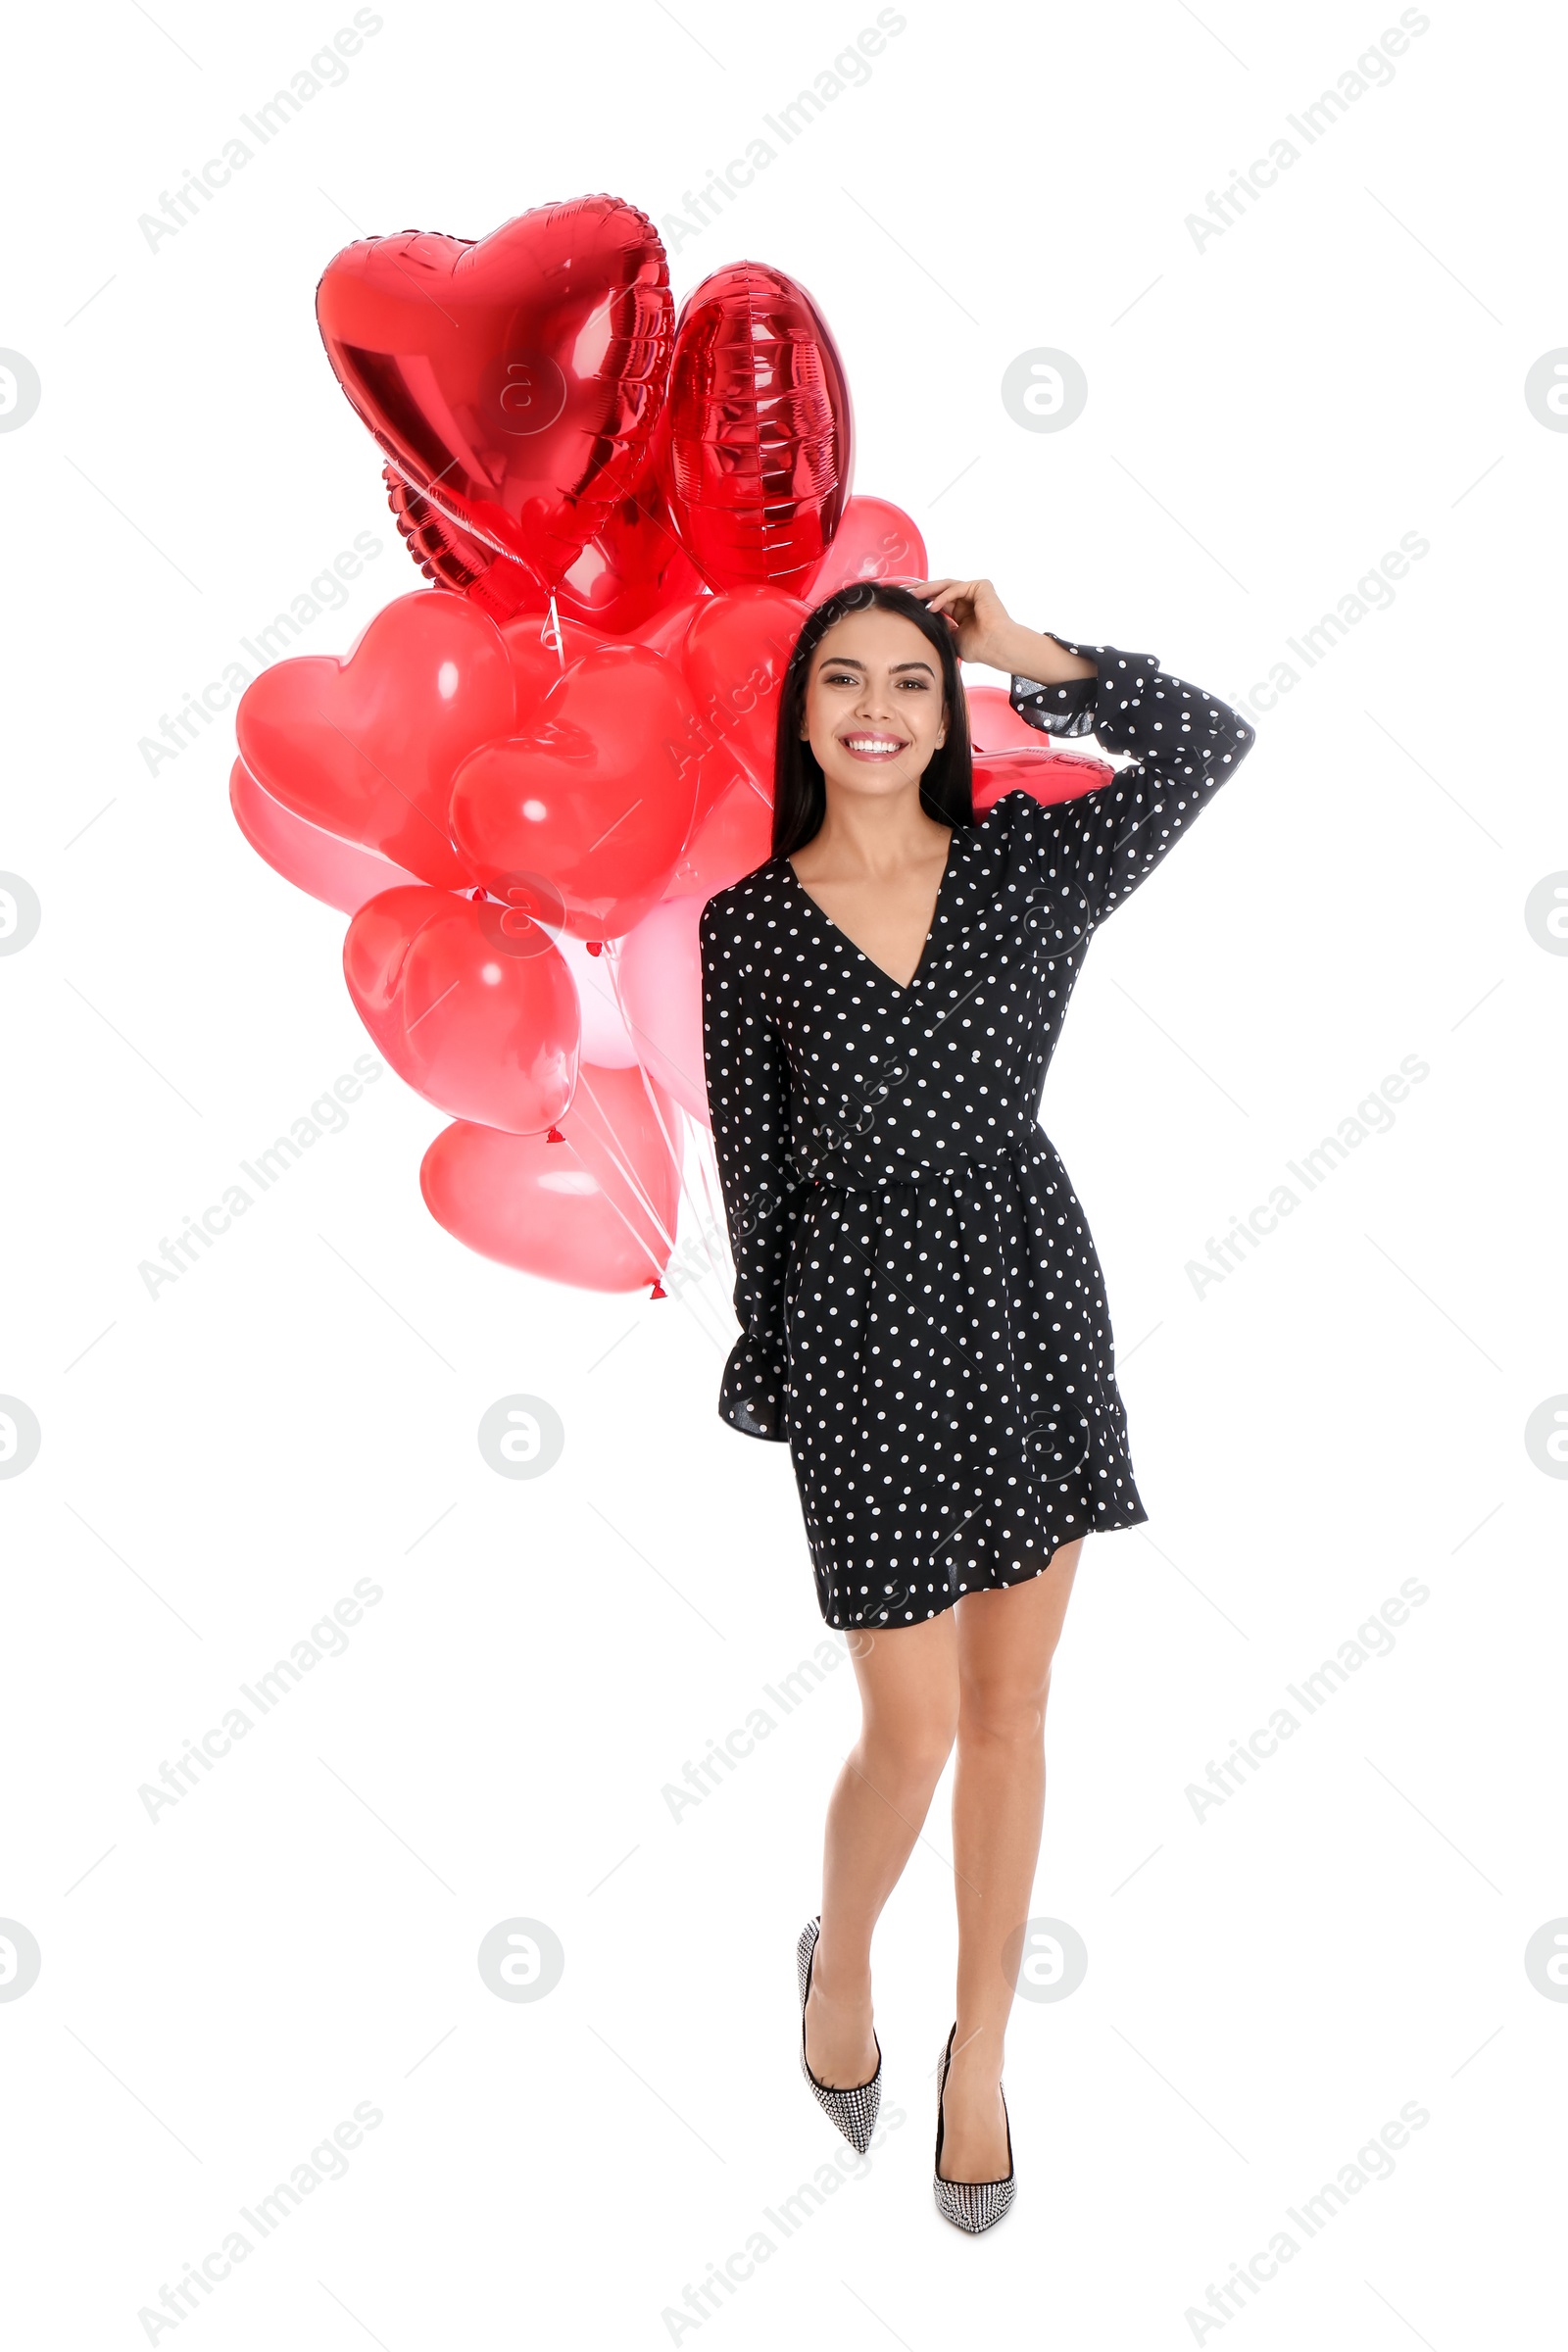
(935, 1171)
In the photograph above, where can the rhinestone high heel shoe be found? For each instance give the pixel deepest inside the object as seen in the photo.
(854, 2111)
(972, 2205)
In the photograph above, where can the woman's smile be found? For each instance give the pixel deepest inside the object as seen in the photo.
(863, 744)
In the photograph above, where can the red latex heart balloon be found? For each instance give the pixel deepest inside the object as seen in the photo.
(579, 820)
(594, 1211)
(734, 657)
(757, 441)
(734, 839)
(537, 663)
(469, 1002)
(365, 748)
(513, 382)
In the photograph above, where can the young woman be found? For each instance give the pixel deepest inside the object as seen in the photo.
(923, 1317)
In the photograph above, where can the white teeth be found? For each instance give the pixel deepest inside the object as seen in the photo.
(873, 743)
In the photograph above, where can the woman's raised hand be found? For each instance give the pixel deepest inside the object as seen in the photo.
(975, 612)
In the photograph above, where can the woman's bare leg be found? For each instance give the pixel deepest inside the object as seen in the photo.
(1005, 1644)
(908, 1681)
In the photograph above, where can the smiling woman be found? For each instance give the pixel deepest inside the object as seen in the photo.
(923, 1317)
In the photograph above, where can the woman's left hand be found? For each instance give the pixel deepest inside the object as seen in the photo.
(978, 617)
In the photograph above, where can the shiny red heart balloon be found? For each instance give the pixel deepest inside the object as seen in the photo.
(757, 441)
(634, 566)
(366, 746)
(633, 571)
(594, 1211)
(579, 819)
(514, 382)
(471, 1002)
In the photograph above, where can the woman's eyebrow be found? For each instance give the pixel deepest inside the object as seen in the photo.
(854, 662)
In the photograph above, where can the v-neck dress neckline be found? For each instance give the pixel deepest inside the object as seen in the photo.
(901, 986)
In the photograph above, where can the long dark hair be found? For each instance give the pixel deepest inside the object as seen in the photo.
(800, 791)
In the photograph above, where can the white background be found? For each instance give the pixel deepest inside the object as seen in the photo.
(1268, 1985)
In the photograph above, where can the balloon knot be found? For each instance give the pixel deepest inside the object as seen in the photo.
(554, 1136)
(658, 1291)
(595, 946)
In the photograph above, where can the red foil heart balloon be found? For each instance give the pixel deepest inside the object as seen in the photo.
(365, 748)
(596, 1211)
(514, 382)
(757, 442)
(633, 569)
(471, 1002)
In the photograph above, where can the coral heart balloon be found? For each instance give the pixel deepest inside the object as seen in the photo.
(1047, 776)
(579, 819)
(734, 839)
(596, 1211)
(993, 724)
(469, 1003)
(875, 541)
(337, 871)
(514, 382)
(365, 748)
(734, 657)
(757, 441)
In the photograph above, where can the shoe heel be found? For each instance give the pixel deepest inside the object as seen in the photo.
(854, 2111)
(969, 2205)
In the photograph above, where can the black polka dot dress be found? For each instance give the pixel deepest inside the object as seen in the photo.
(923, 1317)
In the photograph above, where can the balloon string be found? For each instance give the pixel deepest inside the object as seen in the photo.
(550, 633)
(622, 1163)
(612, 1202)
(612, 959)
(635, 1187)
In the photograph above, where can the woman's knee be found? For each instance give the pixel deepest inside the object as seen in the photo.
(1002, 1709)
(915, 1749)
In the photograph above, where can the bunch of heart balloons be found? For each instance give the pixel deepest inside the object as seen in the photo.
(522, 782)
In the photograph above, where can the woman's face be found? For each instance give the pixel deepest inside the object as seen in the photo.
(874, 710)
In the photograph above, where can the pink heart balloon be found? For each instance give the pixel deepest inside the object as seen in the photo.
(338, 872)
(660, 973)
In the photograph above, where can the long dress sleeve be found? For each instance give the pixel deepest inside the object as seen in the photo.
(1187, 743)
(748, 1097)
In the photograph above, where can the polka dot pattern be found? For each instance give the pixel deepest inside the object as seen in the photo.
(923, 1317)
